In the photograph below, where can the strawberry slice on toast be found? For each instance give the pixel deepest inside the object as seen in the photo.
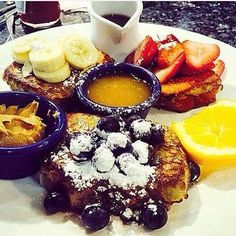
(200, 55)
(168, 53)
(169, 72)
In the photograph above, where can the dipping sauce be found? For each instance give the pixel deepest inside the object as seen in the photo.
(118, 19)
(118, 91)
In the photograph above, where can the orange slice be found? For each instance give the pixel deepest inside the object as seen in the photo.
(210, 136)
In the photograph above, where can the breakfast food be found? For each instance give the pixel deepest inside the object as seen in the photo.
(20, 126)
(208, 136)
(189, 71)
(51, 69)
(134, 169)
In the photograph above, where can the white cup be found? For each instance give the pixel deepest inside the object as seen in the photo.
(109, 37)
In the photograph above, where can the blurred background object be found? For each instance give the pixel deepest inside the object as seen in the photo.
(38, 14)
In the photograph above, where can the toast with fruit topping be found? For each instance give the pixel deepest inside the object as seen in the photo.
(60, 92)
(189, 72)
(51, 69)
(119, 167)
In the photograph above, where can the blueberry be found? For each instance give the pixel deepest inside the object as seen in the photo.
(140, 130)
(154, 216)
(82, 146)
(55, 202)
(194, 170)
(120, 120)
(84, 156)
(130, 119)
(119, 150)
(143, 152)
(109, 124)
(94, 217)
(104, 159)
(157, 135)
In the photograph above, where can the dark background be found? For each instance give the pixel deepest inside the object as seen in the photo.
(214, 19)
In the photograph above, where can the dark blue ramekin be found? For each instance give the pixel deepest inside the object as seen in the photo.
(22, 161)
(118, 68)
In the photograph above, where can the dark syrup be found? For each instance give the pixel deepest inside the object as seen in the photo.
(117, 19)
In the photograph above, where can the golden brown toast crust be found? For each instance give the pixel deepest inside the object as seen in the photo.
(169, 185)
(13, 77)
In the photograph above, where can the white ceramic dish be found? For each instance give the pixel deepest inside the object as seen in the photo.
(209, 210)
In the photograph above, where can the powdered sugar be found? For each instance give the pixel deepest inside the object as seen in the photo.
(81, 143)
(128, 213)
(141, 127)
(103, 159)
(142, 151)
(83, 174)
(116, 140)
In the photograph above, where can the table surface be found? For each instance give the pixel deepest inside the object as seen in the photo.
(213, 19)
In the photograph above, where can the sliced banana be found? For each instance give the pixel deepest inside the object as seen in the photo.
(47, 59)
(22, 47)
(56, 76)
(20, 58)
(79, 51)
(27, 69)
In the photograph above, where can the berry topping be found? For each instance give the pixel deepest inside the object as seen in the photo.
(128, 164)
(94, 217)
(194, 170)
(142, 151)
(109, 124)
(82, 147)
(130, 120)
(157, 135)
(154, 216)
(118, 143)
(55, 202)
(127, 215)
(103, 159)
(140, 129)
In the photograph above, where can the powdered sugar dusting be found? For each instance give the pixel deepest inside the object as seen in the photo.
(141, 149)
(83, 174)
(141, 127)
(103, 159)
(81, 143)
(116, 139)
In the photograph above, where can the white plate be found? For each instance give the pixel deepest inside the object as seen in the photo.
(209, 210)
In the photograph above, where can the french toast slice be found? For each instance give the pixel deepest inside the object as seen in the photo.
(187, 92)
(57, 92)
(168, 184)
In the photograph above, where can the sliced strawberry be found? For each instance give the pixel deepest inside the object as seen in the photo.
(168, 53)
(145, 52)
(186, 70)
(169, 72)
(200, 55)
(219, 67)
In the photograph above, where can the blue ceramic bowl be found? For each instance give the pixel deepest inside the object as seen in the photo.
(118, 68)
(22, 161)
